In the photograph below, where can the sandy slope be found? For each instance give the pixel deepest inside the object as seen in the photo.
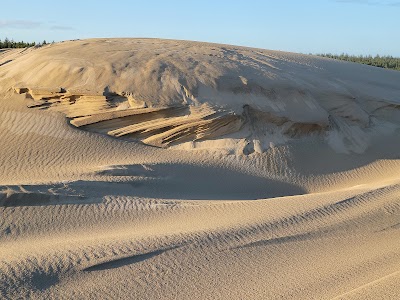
(85, 215)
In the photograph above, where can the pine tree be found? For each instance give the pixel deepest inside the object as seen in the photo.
(387, 62)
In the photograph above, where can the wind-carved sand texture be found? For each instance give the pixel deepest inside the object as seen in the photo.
(196, 171)
(119, 116)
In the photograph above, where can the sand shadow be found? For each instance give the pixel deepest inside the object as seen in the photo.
(124, 261)
(157, 181)
(190, 182)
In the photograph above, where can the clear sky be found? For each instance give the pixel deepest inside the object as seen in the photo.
(307, 26)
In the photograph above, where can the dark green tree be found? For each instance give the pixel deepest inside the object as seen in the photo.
(387, 62)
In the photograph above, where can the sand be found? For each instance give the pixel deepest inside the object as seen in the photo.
(162, 169)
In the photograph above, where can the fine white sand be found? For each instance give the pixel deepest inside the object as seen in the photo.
(162, 169)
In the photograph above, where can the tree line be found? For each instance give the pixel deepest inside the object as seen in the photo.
(7, 43)
(387, 62)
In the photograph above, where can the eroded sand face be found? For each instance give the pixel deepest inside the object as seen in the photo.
(230, 173)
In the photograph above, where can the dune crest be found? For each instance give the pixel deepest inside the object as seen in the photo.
(157, 91)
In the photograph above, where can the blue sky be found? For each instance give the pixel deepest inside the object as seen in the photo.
(308, 26)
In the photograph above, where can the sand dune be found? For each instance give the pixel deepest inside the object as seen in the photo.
(262, 96)
(196, 171)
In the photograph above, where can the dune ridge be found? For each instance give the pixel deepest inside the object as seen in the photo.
(259, 96)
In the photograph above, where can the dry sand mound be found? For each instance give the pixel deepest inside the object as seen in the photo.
(290, 190)
(168, 92)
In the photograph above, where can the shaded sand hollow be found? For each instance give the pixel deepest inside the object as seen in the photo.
(162, 169)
